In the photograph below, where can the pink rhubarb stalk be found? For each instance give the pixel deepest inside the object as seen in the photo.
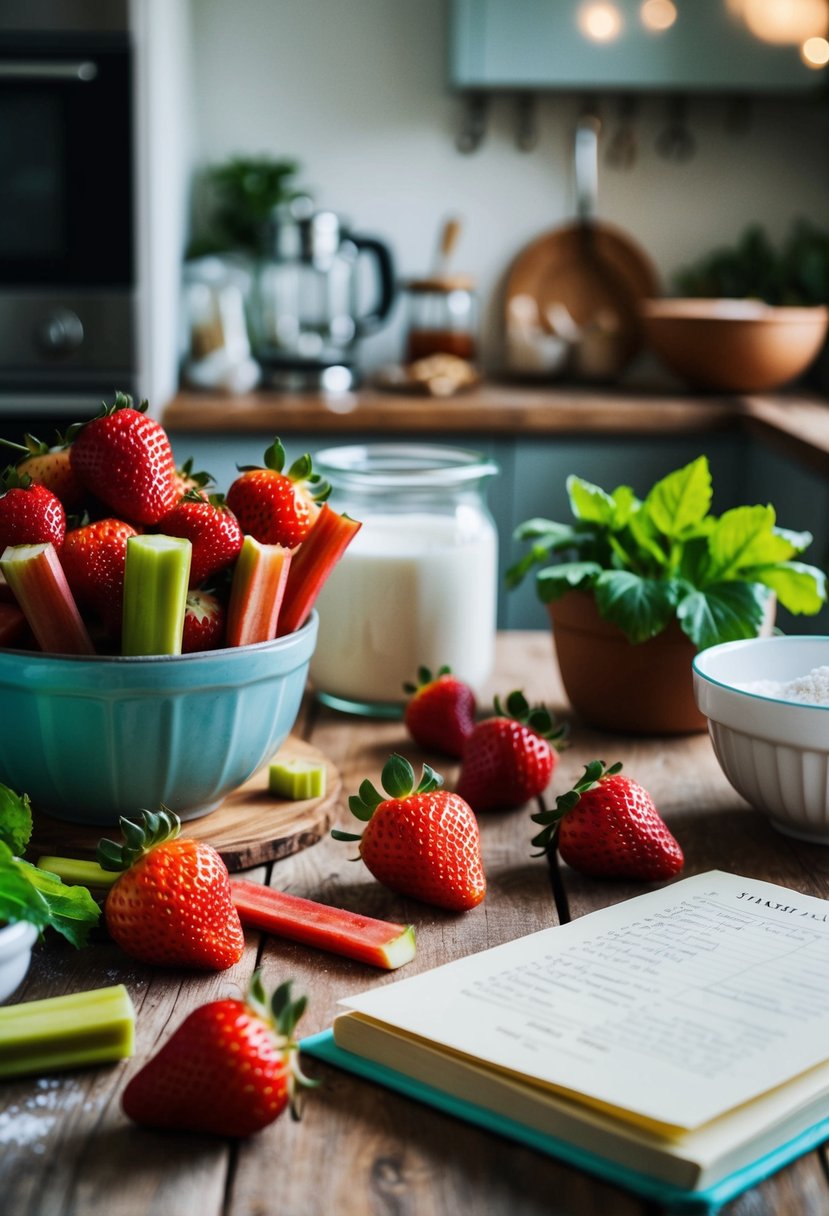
(36, 577)
(313, 562)
(256, 593)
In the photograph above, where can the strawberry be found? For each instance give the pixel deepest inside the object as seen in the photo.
(50, 467)
(422, 842)
(29, 513)
(441, 711)
(607, 826)
(204, 622)
(510, 757)
(172, 905)
(190, 482)
(212, 529)
(278, 508)
(125, 458)
(229, 1069)
(93, 559)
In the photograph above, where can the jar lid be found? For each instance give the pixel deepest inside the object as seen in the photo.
(386, 466)
(441, 283)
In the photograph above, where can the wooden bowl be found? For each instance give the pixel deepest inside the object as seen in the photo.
(741, 346)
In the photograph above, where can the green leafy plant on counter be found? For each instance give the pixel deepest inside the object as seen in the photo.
(648, 562)
(796, 273)
(239, 196)
(30, 894)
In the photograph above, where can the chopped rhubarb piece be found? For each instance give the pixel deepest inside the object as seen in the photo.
(76, 872)
(36, 577)
(96, 1027)
(313, 562)
(12, 624)
(296, 778)
(378, 942)
(156, 576)
(256, 593)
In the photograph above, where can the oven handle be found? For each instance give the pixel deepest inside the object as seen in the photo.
(34, 69)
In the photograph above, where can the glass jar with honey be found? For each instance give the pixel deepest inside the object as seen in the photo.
(442, 318)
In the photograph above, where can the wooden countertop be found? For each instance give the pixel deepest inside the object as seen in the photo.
(797, 422)
(361, 1151)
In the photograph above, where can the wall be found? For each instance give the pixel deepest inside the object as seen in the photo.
(357, 92)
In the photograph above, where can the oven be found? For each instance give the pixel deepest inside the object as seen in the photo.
(67, 247)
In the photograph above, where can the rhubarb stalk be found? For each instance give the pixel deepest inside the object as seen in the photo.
(312, 563)
(36, 577)
(296, 779)
(95, 1027)
(256, 593)
(156, 575)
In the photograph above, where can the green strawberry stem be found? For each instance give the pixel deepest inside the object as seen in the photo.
(282, 1014)
(398, 780)
(593, 774)
(425, 677)
(156, 576)
(312, 563)
(257, 592)
(39, 585)
(154, 828)
(537, 717)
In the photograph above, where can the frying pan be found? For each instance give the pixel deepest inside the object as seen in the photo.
(591, 270)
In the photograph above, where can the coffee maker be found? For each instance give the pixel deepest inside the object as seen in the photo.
(307, 317)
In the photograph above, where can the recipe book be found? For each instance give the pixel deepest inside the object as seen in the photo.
(676, 1043)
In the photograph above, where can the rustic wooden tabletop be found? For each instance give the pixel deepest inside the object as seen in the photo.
(67, 1149)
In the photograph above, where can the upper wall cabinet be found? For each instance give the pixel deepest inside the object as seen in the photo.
(617, 45)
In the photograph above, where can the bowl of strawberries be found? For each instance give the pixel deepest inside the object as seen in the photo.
(155, 636)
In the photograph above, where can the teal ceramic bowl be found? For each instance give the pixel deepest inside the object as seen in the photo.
(91, 739)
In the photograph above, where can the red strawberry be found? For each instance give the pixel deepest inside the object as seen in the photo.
(172, 905)
(188, 482)
(229, 1069)
(213, 530)
(204, 622)
(422, 842)
(278, 508)
(93, 559)
(125, 458)
(441, 712)
(29, 513)
(50, 467)
(509, 758)
(608, 827)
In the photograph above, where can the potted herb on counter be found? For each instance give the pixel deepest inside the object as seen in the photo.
(635, 587)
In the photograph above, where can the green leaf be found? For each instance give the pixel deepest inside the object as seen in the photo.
(723, 612)
(590, 503)
(679, 502)
(641, 607)
(745, 537)
(800, 588)
(28, 893)
(15, 819)
(799, 541)
(556, 581)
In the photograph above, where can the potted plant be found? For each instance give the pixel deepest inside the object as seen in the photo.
(635, 587)
(32, 899)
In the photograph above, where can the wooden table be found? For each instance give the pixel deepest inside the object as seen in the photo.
(362, 1151)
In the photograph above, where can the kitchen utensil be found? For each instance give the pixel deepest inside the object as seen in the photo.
(442, 309)
(307, 319)
(592, 268)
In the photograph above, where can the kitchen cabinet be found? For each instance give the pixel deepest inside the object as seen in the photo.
(541, 44)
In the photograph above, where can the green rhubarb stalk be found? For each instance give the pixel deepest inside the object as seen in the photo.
(156, 575)
(312, 563)
(60, 1032)
(36, 578)
(76, 872)
(296, 779)
(381, 943)
(256, 592)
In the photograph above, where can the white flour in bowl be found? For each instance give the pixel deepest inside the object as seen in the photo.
(811, 689)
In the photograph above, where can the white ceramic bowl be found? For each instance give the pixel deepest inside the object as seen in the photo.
(16, 943)
(775, 752)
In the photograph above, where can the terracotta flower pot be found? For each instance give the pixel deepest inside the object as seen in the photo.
(645, 689)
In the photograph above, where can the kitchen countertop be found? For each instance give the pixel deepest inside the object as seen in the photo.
(360, 1150)
(796, 423)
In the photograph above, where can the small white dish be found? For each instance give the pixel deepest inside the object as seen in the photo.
(16, 943)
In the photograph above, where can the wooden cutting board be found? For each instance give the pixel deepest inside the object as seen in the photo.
(250, 827)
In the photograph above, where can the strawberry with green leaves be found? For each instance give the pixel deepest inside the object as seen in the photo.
(440, 713)
(94, 558)
(50, 467)
(204, 622)
(172, 905)
(276, 507)
(607, 826)
(30, 514)
(124, 458)
(212, 529)
(230, 1069)
(420, 841)
(510, 758)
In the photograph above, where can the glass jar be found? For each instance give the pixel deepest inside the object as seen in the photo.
(417, 586)
(442, 318)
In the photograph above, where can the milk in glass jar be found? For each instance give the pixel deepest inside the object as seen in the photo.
(417, 586)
